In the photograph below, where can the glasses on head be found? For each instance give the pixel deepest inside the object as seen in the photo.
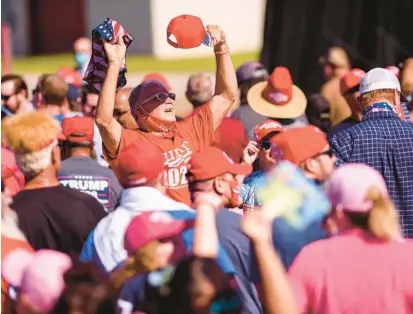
(265, 144)
(160, 97)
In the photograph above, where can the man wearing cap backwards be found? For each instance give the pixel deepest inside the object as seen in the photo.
(382, 140)
(153, 107)
(79, 171)
(259, 148)
(349, 89)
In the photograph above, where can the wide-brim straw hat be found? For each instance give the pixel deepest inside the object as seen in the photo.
(278, 97)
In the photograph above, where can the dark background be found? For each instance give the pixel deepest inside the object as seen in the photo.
(373, 32)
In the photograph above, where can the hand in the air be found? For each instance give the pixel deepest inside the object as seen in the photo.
(250, 153)
(115, 51)
(257, 226)
(217, 36)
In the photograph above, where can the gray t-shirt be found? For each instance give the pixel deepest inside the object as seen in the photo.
(249, 118)
(86, 175)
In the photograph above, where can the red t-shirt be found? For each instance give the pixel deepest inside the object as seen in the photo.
(354, 273)
(193, 134)
(230, 136)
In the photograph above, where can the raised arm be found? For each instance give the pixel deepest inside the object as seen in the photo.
(110, 130)
(226, 87)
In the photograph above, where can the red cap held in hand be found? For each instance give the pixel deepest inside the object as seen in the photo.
(188, 30)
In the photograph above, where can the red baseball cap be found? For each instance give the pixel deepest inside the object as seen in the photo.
(144, 91)
(213, 162)
(78, 129)
(188, 30)
(298, 144)
(350, 81)
(151, 226)
(139, 163)
(157, 77)
(264, 128)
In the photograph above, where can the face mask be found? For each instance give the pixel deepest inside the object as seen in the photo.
(153, 124)
(81, 58)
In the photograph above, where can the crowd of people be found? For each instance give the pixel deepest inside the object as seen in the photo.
(113, 204)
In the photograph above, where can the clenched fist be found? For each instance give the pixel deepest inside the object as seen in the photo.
(218, 37)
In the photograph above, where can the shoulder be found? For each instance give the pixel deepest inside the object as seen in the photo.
(254, 178)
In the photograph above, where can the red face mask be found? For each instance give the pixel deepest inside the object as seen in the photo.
(153, 124)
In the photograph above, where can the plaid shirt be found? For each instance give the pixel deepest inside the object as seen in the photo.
(384, 142)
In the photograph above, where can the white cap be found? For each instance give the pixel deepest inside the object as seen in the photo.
(379, 78)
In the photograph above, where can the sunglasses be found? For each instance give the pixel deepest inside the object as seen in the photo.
(6, 97)
(265, 144)
(160, 97)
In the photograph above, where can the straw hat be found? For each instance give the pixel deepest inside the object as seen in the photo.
(278, 97)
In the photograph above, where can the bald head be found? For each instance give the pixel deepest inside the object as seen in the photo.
(199, 89)
(83, 44)
(121, 111)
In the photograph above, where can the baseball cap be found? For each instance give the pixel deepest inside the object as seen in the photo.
(144, 91)
(379, 78)
(213, 162)
(348, 185)
(78, 129)
(38, 276)
(298, 144)
(349, 82)
(151, 226)
(264, 128)
(250, 71)
(185, 31)
(157, 77)
(139, 163)
(394, 69)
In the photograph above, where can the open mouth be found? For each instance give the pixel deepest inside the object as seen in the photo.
(170, 110)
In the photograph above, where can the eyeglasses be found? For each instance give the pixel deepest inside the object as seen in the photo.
(161, 97)
(6, 97)
(329, 152)
(265, 144)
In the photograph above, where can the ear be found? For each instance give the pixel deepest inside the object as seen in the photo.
(219, 185)
(56, 157)
(310, 164)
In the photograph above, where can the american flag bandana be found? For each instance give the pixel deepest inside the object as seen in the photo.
(111, 31)
(378, 107)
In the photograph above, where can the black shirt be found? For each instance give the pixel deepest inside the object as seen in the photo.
(57, 218)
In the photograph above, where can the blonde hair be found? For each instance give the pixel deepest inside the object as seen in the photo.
(368, 98)
(142, 261)
(383, 220)
(54, 89)
(32, 137)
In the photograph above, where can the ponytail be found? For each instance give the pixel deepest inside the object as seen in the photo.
(383, 220)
